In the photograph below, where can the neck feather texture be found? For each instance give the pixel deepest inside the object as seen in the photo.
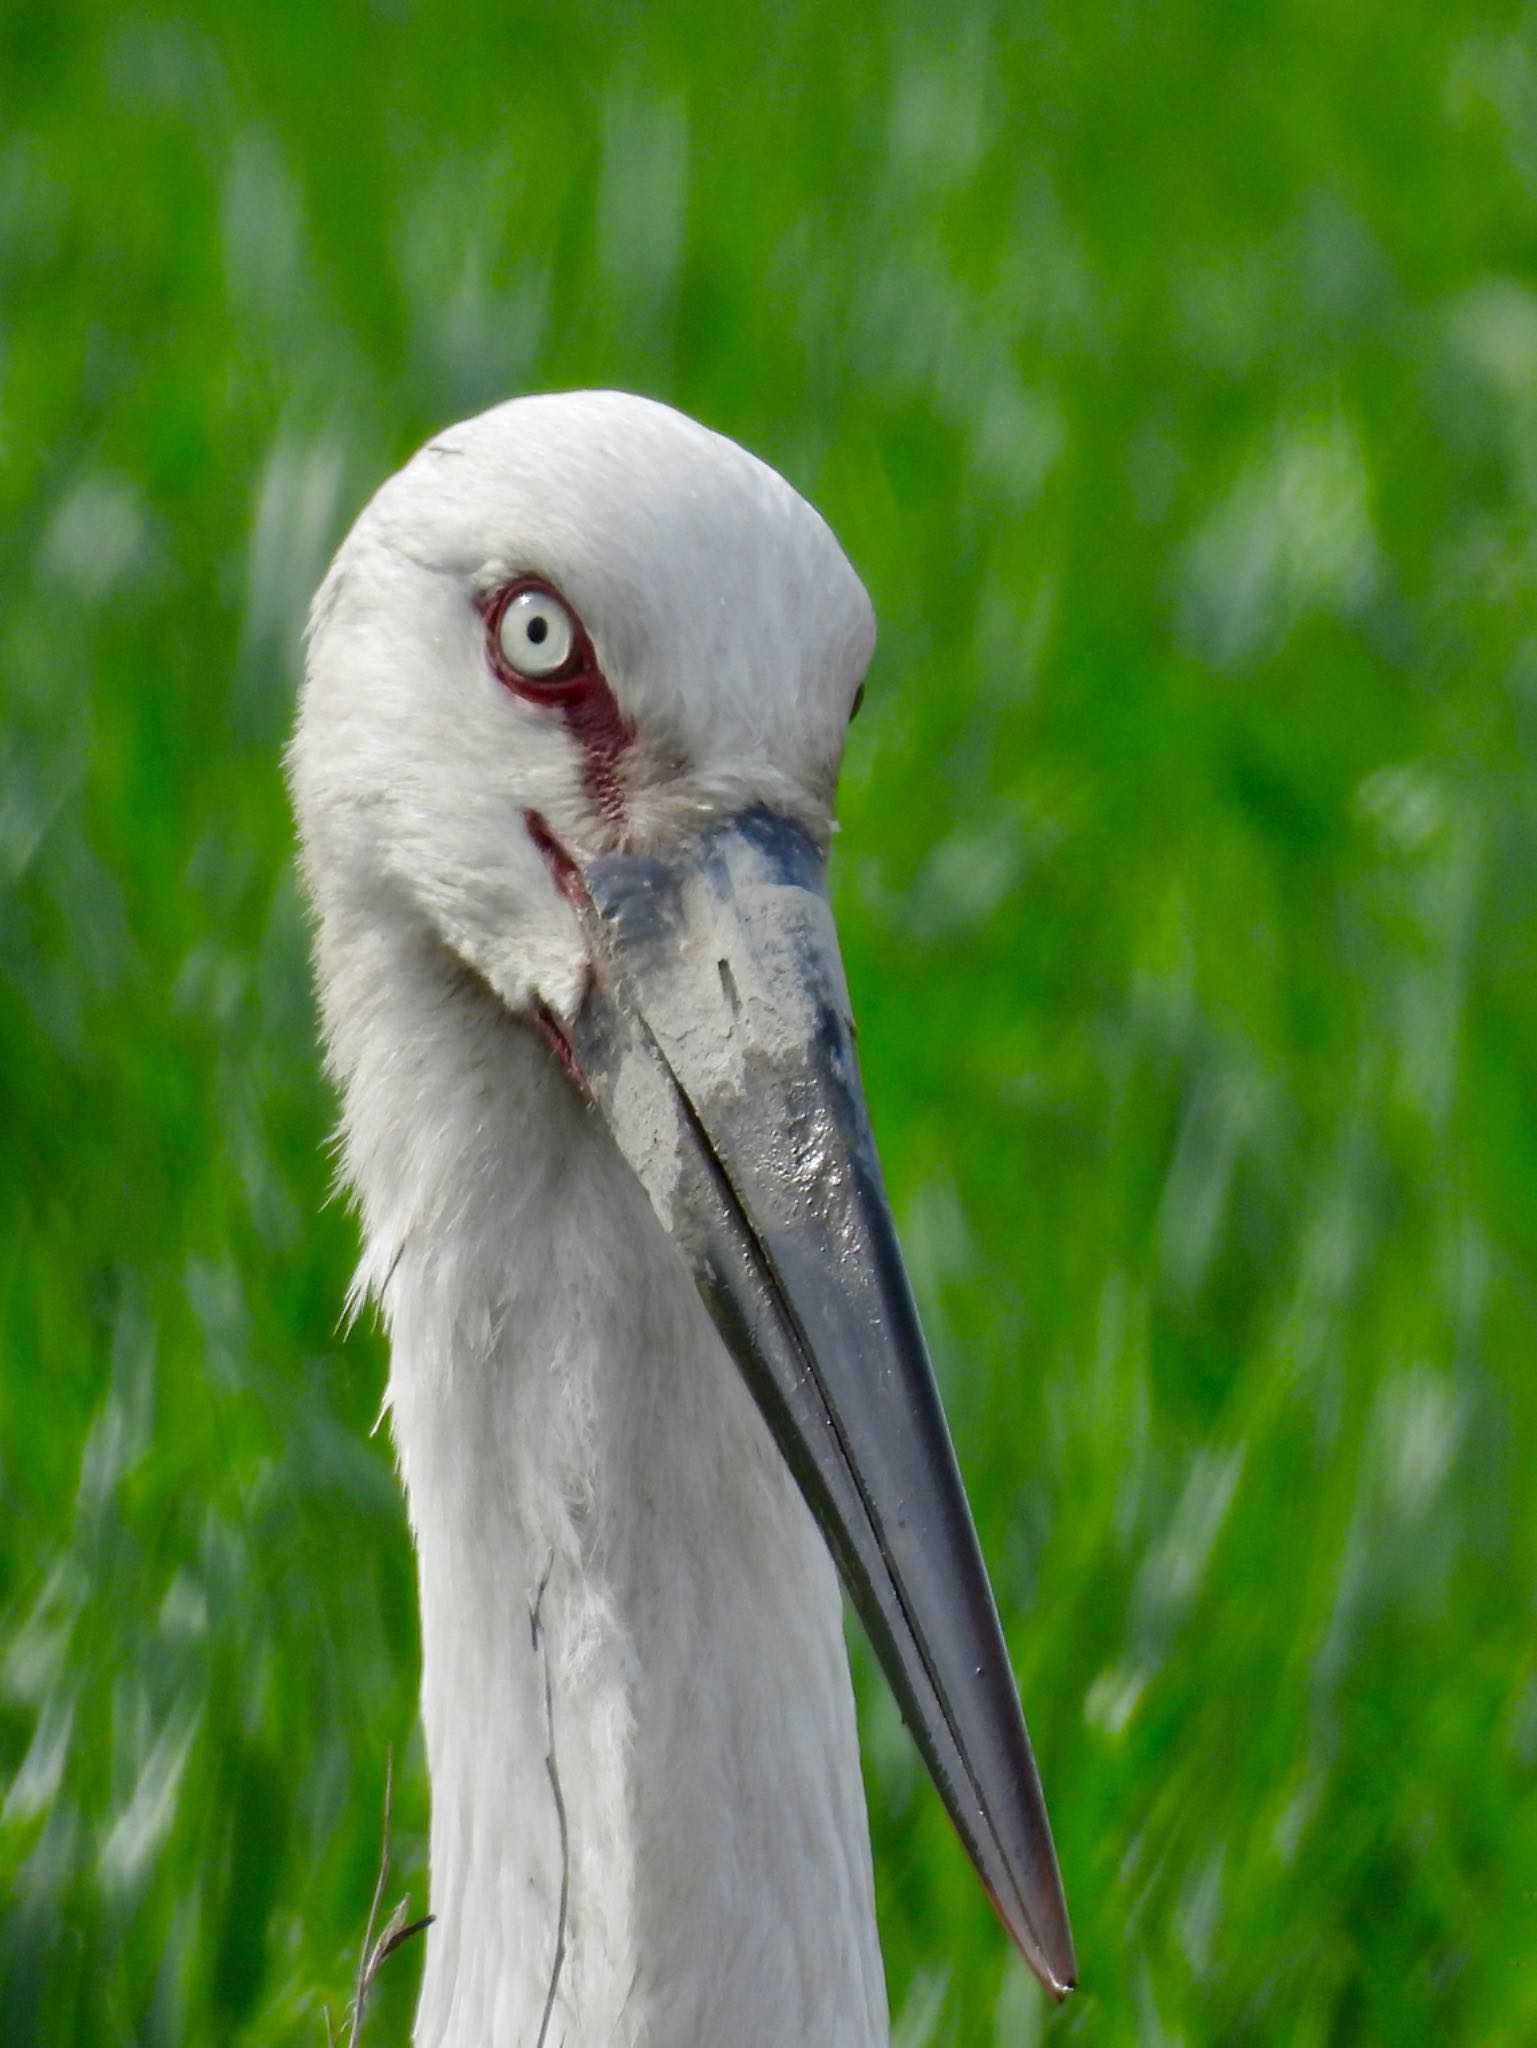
(648, 1828)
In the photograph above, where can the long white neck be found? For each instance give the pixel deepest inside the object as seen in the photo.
(648, 1825)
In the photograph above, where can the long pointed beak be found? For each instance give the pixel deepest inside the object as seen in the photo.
(719, 1045)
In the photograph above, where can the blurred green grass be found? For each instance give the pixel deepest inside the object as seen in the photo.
(1171, 375)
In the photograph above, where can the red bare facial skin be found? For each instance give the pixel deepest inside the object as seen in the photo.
(579, 692)
(556, 1037)
(568, 879)
(568, 876)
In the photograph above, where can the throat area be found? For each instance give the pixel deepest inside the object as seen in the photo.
(648, 1825)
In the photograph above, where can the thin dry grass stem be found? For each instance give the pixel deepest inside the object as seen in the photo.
(378, 1948)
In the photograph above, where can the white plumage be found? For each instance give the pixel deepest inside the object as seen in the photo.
(647, 1819)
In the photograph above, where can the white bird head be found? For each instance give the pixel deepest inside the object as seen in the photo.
(717, 639)
(578, 687)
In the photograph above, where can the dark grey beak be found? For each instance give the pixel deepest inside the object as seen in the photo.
(719, 1045)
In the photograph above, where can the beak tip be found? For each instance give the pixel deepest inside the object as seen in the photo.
(1062, 1975)
(1045, 1941)
(1058, 1974)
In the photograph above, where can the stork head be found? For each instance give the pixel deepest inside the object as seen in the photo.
(578, 686)
(579, 621)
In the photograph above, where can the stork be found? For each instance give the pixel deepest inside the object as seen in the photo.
(576, 693)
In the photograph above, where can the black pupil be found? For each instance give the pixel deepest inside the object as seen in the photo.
(538, 630)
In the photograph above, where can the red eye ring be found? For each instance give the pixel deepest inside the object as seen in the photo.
(577, 689)
(576, 674)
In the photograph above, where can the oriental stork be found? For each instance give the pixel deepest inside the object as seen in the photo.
(577, 688)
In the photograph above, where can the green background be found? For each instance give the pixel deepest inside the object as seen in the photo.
(1170, 372)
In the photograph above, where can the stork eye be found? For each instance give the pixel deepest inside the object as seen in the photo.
(536, 634)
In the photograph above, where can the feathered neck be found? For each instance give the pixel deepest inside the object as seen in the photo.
(648, 1825)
